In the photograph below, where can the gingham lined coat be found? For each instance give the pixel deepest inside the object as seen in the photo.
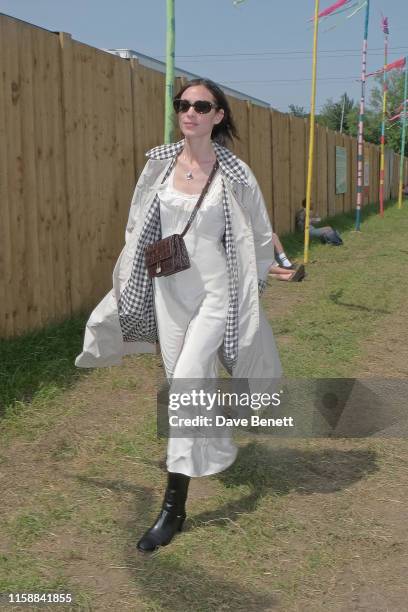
(124, 322)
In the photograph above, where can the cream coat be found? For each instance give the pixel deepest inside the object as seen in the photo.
(257, 353)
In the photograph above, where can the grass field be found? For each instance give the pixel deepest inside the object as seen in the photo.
(293, 525)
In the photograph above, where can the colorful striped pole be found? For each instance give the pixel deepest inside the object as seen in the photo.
(404, 125)
(170, 45)
(384, 112)
(311, 134)
(360, 145)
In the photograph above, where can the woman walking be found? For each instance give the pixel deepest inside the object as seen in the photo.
(210, 311)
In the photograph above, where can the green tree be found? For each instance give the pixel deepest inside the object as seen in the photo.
(331, 113)
(297, 111)
(372, 124)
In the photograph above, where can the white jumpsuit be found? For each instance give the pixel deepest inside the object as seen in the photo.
(191, 308)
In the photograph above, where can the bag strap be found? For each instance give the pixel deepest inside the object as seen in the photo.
(200, 199)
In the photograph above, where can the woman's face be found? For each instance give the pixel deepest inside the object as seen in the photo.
(193, 124)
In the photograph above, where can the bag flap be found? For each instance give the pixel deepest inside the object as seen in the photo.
(157, 251)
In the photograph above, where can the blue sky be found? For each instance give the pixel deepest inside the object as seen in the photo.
(261, 47)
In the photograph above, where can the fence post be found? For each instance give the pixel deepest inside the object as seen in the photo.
(73, 278)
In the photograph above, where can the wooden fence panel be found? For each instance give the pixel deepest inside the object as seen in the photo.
(347, 195)
(239, 109)
(119, 164)
(297, 166)
(148, 104)
(321, 182)
(339, 142)
(372, 171)
(84, 221)
(104, 170)
(178, 134)
(72, 124)
(396, 173)
(56, 203)
(33, 293)
(7, 299)
(281, 172)
(52, 275)
(375, 185)
(315, 160)
(17, 280)
(331, 173)
(372, 191)
(105, 135)
(260, 150)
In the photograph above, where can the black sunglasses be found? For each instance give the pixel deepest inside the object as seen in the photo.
(200, 106)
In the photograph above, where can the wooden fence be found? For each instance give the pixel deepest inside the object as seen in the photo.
(75, 123)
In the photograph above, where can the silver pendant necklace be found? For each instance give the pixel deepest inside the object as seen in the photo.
(189, 175)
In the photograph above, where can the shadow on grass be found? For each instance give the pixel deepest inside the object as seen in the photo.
(335, 298)
(267, 472)
(174, 585)
(283, 470)
(40, 359)
(170, 581)
(343, 222)
(278, 472)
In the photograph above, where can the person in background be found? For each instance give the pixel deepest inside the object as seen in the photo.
(314, 232)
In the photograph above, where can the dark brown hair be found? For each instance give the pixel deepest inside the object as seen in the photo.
(226, 129)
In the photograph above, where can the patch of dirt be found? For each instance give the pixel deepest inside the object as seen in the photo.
(385, 354)
(280, 297)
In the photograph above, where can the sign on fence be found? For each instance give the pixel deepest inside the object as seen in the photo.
(341, 170)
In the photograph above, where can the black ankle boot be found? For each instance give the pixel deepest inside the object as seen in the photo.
(172, 515)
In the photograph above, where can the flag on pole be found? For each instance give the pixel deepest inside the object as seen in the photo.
(399, 116)
(334, 7)
(339, 7)
(357, 8)
(384, 24)
(400, 63)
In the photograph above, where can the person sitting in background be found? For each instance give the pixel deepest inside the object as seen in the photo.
(314, 232)
(327, 234)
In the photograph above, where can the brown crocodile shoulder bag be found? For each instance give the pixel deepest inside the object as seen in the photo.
(169, 255)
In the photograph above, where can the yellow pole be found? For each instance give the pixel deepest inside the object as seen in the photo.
(311, 135)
